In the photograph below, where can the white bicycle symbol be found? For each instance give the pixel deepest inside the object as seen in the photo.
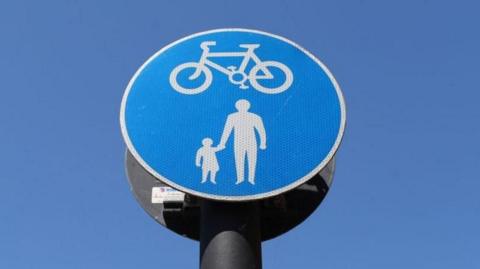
(235, 76)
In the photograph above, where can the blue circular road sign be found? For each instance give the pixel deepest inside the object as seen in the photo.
(233, 114)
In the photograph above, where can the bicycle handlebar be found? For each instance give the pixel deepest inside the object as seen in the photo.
(205, 44)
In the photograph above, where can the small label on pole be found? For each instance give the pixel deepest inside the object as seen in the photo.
(166, 194)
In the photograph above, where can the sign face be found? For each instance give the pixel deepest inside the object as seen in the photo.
(233, 114)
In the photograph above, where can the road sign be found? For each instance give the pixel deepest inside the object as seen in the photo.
(233, 114)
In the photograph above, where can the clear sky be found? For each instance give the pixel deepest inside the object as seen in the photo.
(406, 189)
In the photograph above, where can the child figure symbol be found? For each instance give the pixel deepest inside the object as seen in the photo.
(206, 159)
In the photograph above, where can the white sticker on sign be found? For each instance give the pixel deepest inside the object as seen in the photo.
(166, 194)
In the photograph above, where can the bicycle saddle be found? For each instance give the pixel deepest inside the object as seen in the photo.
(247, 46)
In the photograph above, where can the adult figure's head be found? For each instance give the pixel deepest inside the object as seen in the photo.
(242, 105)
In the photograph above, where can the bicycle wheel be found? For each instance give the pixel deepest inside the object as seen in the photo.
(268, 65)
(176, 86)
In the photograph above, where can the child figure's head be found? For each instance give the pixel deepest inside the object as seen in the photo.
(207, 142)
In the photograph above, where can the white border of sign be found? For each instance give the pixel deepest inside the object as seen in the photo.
(293, 185)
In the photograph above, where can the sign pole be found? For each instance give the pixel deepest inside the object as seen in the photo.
(230, 235)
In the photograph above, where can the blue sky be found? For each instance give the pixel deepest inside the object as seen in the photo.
(405, 193)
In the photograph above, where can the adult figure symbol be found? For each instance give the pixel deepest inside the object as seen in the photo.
(244, 124)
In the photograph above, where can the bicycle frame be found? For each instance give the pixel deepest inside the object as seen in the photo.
(247, 56)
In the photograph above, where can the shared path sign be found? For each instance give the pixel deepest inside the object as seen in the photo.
(233, 115)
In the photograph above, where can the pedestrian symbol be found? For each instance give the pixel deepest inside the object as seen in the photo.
(233, 114)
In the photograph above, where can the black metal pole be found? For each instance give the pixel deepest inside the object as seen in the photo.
(230, 235)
